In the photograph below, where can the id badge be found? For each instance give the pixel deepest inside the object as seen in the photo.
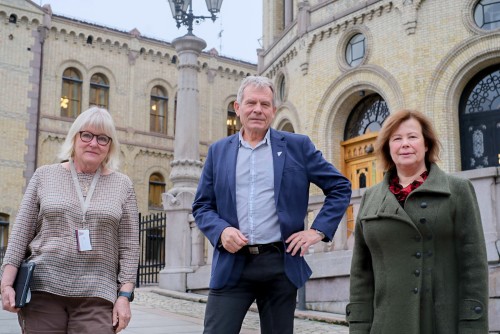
(83, 240)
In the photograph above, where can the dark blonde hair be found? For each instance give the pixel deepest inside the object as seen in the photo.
(392, 123)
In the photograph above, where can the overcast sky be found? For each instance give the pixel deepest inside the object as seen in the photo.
(240, 21)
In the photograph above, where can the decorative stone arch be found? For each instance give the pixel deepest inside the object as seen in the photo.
(160, 82)
(446, 86)
(468, 18)
(104, 70)
(228, 99)
(343, 42)
(342, 95)
(287, 113)
(160, 169)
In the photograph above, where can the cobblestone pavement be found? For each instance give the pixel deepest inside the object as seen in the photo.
(196, 308)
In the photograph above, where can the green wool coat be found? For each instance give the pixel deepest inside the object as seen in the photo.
(422, 269)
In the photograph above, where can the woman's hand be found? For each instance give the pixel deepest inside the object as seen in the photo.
(7, 291)
(121, 314)
(9, 298)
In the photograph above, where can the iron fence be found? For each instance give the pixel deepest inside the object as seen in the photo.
(152, 230)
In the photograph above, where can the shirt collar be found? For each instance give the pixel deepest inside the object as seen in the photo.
(265, 140)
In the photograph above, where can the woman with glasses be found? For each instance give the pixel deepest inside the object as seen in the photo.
(78, 222)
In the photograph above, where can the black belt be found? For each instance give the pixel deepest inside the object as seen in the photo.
(262, 248)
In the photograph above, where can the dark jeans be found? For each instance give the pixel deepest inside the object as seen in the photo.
(264, 281)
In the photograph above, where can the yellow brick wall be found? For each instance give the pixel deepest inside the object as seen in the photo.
(132, 64)
(420, 55)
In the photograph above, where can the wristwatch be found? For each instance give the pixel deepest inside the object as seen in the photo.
(126, 294)
(321, 234)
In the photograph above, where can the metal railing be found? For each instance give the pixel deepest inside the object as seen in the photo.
(152, 230)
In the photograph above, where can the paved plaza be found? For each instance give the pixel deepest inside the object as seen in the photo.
(157, 311)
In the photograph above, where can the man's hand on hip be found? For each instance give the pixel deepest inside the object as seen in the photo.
(300, 241)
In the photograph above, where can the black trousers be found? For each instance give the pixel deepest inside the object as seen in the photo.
(264, 281)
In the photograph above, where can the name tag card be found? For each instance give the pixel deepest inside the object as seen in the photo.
(83, 240)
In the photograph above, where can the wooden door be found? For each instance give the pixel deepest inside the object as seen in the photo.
(360, 167)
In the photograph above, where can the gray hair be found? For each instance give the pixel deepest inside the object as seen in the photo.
(101, 120)
(257, 81)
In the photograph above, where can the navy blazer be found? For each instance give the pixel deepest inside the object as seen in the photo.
(296, 164)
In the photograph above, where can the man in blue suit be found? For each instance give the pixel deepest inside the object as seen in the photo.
(251, 204)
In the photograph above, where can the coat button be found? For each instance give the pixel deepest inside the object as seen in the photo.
(418, 255)
(423, 220)
(415, 291)
(429, 253)
(418, 238)
(423, 205)
(429, 237)
(417, 272)
(478, 309)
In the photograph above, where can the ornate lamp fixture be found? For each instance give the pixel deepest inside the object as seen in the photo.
(182, 12)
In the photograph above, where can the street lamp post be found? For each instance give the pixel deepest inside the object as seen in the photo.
(182, 11)
(186, 165)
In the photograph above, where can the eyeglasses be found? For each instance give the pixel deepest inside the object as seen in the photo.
(87, 137)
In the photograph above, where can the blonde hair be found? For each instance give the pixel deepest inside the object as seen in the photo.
(392, 123)
(101, 120)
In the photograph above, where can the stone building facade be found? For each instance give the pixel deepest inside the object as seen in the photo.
(341, 66)
(53, 67)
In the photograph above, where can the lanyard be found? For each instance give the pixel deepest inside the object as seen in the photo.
(84, 203)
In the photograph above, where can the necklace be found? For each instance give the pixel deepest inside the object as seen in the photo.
(84, 181)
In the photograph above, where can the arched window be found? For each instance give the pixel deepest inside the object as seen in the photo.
(233, 123)
(158, 111)
(480, 120)
(156, 188)
(288, 127)
(71, 95)
(367, 116)
(99, 91)
(282, 88)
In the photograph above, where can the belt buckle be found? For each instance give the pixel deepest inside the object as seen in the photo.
(254, 250)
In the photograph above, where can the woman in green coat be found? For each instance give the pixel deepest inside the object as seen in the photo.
(419, 262)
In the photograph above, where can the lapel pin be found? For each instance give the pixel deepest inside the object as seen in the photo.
(279, 153)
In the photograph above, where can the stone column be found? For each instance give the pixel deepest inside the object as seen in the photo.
(186, 167)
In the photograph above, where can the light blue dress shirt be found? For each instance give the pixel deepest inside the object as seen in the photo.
(255, 205)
